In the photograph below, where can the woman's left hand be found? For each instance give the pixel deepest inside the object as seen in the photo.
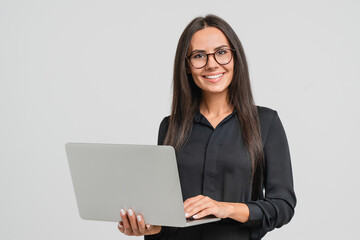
(201, 206)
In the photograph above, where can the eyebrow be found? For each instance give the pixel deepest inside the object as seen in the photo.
(198, 50)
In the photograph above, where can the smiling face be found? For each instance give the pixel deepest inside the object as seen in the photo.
(213, 78)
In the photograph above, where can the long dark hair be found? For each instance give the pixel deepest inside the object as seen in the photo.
(187, 97)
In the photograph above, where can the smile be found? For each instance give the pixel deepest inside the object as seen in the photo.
(214, 78)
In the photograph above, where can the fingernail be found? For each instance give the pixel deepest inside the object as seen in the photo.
(195, 216)
(186, 214)
(122, 211)
(147, 226)
(139, 218)
(120, 225)
(130, 212)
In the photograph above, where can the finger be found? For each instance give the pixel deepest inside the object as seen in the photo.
(121, 227)
(133, 222)
(126, 223)
(190, 208)
(200, 207)
(205, 212)
(192, 200)
(141, 224)
(199, 202)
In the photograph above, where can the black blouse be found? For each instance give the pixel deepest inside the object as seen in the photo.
(217, 164)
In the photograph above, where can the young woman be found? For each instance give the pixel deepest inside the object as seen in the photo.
(233, 156)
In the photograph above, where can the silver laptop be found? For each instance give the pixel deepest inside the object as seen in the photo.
(109, 177)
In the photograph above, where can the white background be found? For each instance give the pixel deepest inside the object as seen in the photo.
(101, 71)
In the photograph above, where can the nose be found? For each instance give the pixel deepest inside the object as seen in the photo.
(211, 62)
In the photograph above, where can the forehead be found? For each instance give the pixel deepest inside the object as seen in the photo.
(207, 39)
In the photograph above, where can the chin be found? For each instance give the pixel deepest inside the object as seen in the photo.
(214, 90)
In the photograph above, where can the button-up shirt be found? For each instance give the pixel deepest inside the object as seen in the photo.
(215, 162)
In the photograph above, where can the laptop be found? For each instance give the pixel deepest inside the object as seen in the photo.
(145, 178)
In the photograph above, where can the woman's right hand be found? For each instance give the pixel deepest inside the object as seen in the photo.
(134, 225)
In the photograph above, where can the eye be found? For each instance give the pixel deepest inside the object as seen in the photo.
(222, 51)
(198, 56)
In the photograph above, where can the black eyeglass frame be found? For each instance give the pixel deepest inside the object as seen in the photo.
(207, 57)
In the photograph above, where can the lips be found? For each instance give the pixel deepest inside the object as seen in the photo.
(214, 77)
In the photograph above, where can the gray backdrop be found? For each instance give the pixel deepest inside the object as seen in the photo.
(101, 71)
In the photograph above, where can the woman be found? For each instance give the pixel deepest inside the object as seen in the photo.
(229, 150)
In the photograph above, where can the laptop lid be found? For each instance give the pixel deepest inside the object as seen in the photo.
(108, 177)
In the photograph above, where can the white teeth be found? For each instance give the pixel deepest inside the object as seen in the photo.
(214, 76)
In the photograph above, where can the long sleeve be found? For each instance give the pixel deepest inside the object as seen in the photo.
(277, 208)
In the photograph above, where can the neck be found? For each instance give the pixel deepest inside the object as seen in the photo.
(215, 104)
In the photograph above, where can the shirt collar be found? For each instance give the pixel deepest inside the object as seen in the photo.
(198, 117)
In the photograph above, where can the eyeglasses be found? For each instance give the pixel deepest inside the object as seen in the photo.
(200, 59)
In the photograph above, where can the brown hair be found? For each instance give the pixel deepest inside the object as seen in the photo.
(187, 97)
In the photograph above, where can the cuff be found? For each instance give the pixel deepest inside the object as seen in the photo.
(256, 215)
